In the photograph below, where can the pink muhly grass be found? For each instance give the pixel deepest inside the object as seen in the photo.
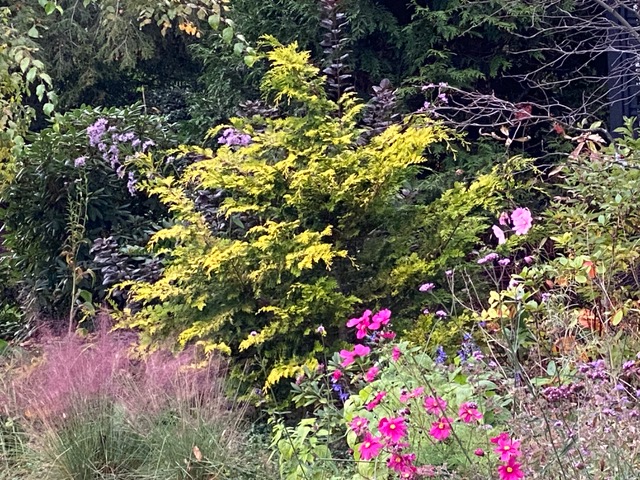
(72, 371)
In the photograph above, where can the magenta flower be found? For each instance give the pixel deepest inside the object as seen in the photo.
(478, 452)
(441, 429)
(396, 354)
(361, 324)
(406, 396)
(497, 231)
(507, 449)
(511, 470)
(359, 425)
(468, 412)
(401, 463)
(350, 356)
(371, 374)
(336, 375)
(502, 436)
(436, 406)
(370, 447)
(393, 428)
(426, 287)
(379, 319)
(522, 221)
(376, 400)
(388, 335)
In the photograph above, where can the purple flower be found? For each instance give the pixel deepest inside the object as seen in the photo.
(443, 98)
(441, 355)
(426, 287)
(231, 136)
(96, 131)
(504, 262)
(448, 273)
(131, 184)
(441, 313)
(528, 259)
(147, 144)
(80, 162)
(490, 257)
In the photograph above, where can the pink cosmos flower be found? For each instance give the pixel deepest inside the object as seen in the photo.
(436, 406)
(359, 425)
(401, 463)
(376, 400)
(379, 319)
(522, 221)
(336, 375)
(507, 449)
(479, 452)
(393, 428)
(350, 356)
(502, 436)
(441, 429)
(371, 374)
(511, 470)
(468, 412)
(497, 231)
(395, 354)
(370, 447)
(406, 396)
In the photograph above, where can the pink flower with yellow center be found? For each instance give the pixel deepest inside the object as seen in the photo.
(370, 447)
(358, 425)
(507, 449)
(441, 429)
(393, 428)
(468, 412)
(511, 470)
(434, 405)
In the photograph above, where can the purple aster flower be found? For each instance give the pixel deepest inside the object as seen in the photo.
(131, 184)
(96, 131)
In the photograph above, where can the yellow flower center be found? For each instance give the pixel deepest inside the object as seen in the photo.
(392, 427)
(441, 426)
(507, 447)
(359, 423)
(509, 470)
(367, 445)
(398, 459)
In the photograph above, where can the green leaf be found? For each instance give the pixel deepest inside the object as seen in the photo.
(49, 8)
(33, 32)
(40, 91)
(47, 108)
(581, 278)
(617, 318)
(238, 48)
(227, 34)
(214, 21)
(24, 64)
(31, 74)
(249, 60)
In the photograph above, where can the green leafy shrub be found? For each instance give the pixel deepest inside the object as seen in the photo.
(303, 223)
(68, 193)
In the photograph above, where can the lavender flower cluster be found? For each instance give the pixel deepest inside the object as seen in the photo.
(109, 147)
(231, 136)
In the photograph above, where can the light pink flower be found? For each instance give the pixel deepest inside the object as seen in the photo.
(497, 231)
(426, 287)
(503, 219)
(522, 221)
